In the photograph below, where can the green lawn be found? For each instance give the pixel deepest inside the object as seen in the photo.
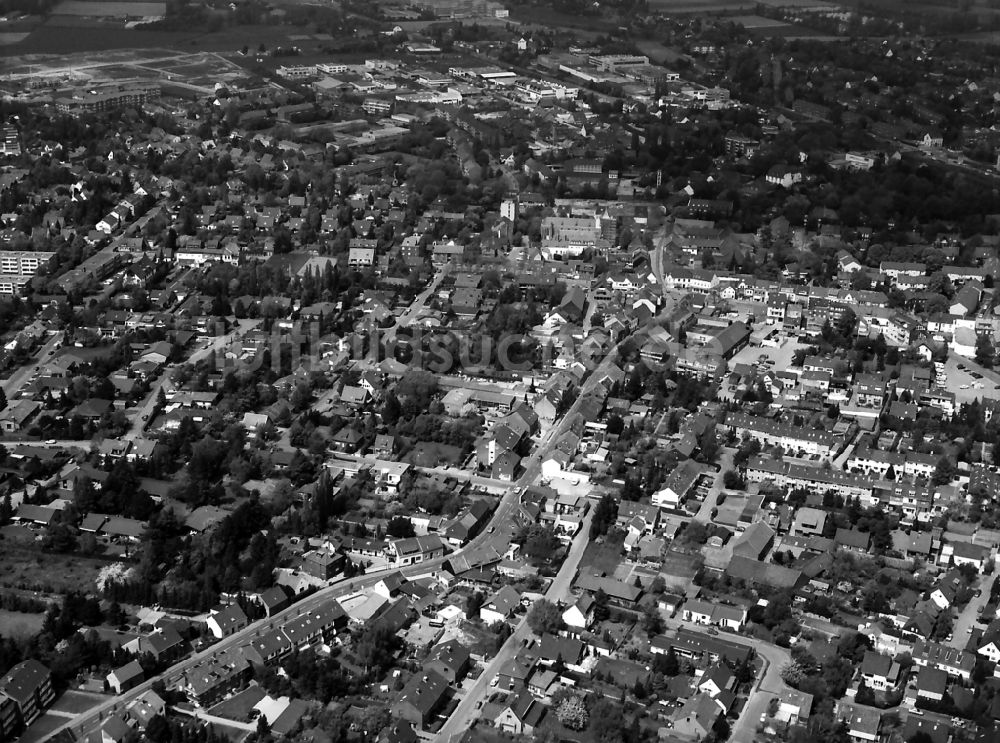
(17, 625)
(429, 454)
(75, 702)
(604, 557)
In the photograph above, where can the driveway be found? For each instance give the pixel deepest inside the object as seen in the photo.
(711, 500)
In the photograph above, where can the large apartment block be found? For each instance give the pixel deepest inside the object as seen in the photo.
(18, 266)
(28, 685)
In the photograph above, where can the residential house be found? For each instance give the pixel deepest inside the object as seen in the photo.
(124, 678)
(880, 672)
(520, 715)
(451, 660)
(500, 606)
(226, 620)
(422, 696)
(697, 717)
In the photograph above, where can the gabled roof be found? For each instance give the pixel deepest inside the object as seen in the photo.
(424, 691)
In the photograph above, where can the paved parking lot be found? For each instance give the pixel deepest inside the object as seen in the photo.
(782, 356)
(963, 384)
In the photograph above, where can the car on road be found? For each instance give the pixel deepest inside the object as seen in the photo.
(975, 375)
(961, 367)
(50, 441)
(145, 417)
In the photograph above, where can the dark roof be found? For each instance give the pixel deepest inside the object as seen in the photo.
(424, 691)
(553, 647)
(452, 655)
(852, 538)
(22, 681)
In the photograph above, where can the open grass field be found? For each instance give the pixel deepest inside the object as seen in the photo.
(17, 625)
(429, 454)
(238, 707)
(74, 702)
(36, 570)
(41, 728)
(604, 557)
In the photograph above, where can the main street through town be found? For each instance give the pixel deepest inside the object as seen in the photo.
(492, 539)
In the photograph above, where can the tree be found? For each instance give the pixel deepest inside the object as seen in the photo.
(545, 618)
(652, 622)
(605, 514)
(667, 664)
(732, 480)
(3, 399)
(607, 721)
(572, 713)
(945, 472)
(400, 527)
(474, 603)
(984, 351)
(540, 542)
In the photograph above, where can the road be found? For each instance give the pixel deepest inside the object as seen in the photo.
(411, 313)
(764, 689)
(49, 444)
(559, 590)
(144, 412)
(16, 381)
(493, 538)
(965, 622)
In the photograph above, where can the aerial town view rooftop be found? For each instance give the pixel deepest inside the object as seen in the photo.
(464, 371)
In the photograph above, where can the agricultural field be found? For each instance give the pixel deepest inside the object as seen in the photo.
(61, 35)
(757, 22)
(701, 6)
(109, 9)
